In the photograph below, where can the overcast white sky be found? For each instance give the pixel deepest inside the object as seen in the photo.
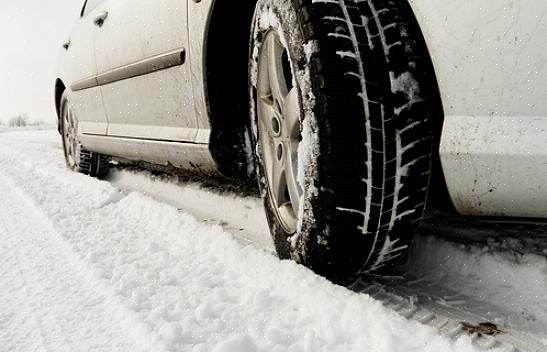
(31, 35)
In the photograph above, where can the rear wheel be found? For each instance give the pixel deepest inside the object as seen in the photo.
(76, 157)
(340, 101)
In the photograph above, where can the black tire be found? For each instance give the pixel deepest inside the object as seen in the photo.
(77, 158)
(366, 87)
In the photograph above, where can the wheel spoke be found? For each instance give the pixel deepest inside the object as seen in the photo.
(291, 167)
(277, 177)
(70, 124)
(265, 116)
(278, 85)
(291, 115)
(263, 85)
(288, 216)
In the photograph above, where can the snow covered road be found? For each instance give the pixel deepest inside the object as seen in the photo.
(87, 267)
(45, 297)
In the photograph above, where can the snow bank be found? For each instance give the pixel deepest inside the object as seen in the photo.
(32, 127)
(244, 217)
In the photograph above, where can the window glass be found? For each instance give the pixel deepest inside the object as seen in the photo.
(90, 5)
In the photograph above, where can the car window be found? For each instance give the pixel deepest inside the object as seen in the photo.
(89, 5)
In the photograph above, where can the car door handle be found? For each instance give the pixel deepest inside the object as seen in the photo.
(100, 18)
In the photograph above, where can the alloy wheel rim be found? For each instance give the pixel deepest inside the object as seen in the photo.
(279, 129)
(69, 135)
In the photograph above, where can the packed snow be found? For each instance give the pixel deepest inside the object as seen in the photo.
(86, 266)
(513, 285)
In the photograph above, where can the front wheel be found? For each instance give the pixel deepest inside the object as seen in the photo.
(77, 158)
(340, 102)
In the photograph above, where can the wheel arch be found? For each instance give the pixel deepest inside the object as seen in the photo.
(225, 62)
(438, 197)
(59, 90)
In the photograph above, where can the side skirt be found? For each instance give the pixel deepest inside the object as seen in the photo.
(190, 156)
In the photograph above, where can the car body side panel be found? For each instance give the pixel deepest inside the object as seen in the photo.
(500, 166)
(490, 57)
(157, 105)
(490, 60)
(80, 64)
(199, 14)
(189, 156)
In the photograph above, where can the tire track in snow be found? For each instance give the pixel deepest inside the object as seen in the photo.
(43, 298)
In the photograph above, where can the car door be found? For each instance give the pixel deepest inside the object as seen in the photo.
(141, 60)
(81, 70)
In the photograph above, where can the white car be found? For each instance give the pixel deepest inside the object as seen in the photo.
(353, 115)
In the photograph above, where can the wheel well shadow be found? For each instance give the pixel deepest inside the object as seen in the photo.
(226, 84)
(59, 89)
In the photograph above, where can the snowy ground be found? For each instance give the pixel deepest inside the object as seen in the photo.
(138, 263)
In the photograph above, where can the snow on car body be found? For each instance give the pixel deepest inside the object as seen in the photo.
(363, 81)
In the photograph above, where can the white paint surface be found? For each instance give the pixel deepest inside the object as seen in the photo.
(495, 165)
(490, 60)
(490, 56)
